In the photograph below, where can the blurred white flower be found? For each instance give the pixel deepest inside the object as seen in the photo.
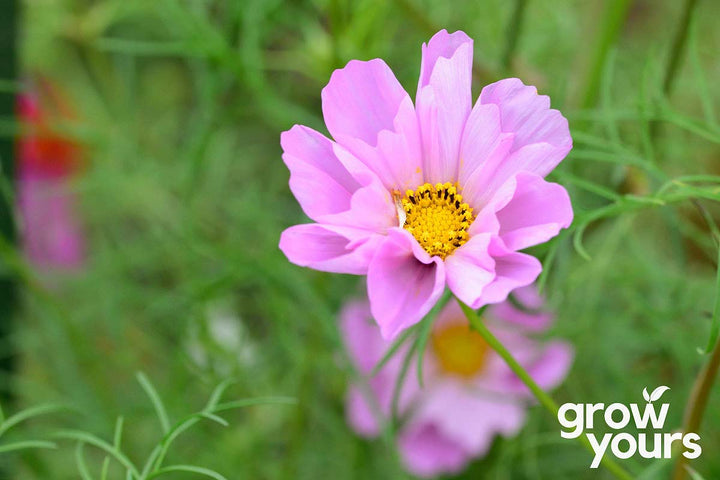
(219, 341)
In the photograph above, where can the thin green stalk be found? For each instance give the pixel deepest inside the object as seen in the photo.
(612, 22)
(678, 46)
(544, 399)
(514, 30)
(676, 52)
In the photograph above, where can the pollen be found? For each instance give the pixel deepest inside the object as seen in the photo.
(460, 350)
(436, 216)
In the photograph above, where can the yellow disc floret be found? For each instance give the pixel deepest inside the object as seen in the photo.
(437, 217)
(459, 349)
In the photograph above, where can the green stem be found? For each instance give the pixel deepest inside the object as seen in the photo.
(513, 34)
(678, 46)
(544, 399)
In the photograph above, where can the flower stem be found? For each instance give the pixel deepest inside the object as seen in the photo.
(697, 403)
(545, 399)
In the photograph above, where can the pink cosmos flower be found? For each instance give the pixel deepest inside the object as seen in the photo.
(424, 195)
(51, 233)
(469, 396)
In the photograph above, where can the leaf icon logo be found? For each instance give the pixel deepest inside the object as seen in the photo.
(656, 394)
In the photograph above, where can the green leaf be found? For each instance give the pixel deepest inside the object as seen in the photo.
(19, 417)
(102, 445)
(26, 444)
(156, 401)
(187, 468)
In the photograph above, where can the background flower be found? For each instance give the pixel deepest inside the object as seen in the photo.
(469, 394)
(46, 162)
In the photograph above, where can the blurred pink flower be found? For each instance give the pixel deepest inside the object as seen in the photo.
(469, 394)
(51, 233)
(424, 195)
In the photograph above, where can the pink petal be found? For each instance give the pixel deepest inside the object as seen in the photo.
(536, 213)
(535, 319)
(476, 184)
(52, 236)
(396, 158)
(361, 336)
(486, 220)
(528, 115)
(470, 269)
(330, 248)
(443, 102)
(426, 107)
(480, 139)
(468, 416)
(444, 45)
(332, 186)
(541, 135)
(362, 410)
(530, 158)
(547, 364)
(371, 208)
(361, 100)
(427, 453)
(553, 364)
(320, 183)
(403, 283)
(512, 270)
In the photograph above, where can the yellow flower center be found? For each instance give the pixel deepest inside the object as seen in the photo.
(460, 350)
(436, 216)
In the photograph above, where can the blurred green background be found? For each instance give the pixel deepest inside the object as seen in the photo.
(179, 106)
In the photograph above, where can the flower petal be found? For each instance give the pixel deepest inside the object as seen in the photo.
(396, 158)
(529, 116)
(470, 269)
(361, 100)
(535, 318)
(361, 336)
(330, 248)
(363, 416)
(536, 213)
(468, 416)
(320, 183)
(53, 235)
(480, 139)
(512, 270)
(552, 366)
(443, 102)
(541, 135)
(403, 283)
(490, 202)
(427, 453)
(548, 364)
